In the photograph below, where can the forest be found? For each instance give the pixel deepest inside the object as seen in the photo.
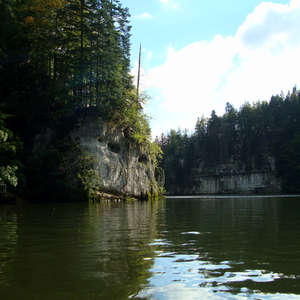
(248, 135)
(60, 59)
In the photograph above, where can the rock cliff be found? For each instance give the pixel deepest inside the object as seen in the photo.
(124, 167)
(88, 157)
(232, 178)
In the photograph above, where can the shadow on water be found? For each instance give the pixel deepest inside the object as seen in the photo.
(76, 251)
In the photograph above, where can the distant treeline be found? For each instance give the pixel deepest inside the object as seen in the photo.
(249, 136)
(59, 58)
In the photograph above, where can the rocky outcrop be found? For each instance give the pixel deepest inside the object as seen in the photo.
(232, 178)
(243, 183)
(124, 167)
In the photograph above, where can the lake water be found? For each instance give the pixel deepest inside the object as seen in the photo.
(176, 248)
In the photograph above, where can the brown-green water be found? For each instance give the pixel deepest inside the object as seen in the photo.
(178, 248)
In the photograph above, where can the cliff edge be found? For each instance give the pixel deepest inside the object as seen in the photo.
(122, 166)
(92, 158)
(232, 177)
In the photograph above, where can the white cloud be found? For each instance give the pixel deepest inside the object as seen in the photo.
(149, 56)
(134, 73)
(170, 3)
(144, 16)
(261, 59)
(146, 59)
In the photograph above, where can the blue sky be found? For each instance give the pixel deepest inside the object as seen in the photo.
(197, 55)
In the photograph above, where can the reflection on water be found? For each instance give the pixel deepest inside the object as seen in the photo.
(227, 249)
(76, 251)
(179, 248)
(8, 235)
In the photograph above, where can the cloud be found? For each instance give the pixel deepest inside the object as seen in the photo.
(144, 16)
(146, 59)
(134, 74)
(260, 60)
(170, 3)
(271, 23)
(149, 56)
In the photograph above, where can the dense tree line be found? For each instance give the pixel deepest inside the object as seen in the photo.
(248, 136)
(58, 59)
(68, 54)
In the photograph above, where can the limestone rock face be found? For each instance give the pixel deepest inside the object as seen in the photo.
(124, 167)
(232, 177)
(247, 183)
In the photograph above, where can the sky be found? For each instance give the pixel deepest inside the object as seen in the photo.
(197, 55)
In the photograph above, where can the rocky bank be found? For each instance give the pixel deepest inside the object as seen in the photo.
(232, 177)
(124, 167)
(91, 157)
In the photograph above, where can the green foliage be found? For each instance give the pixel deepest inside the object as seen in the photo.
(247, 136)
(72, 54)
(88, 175)
(134, 120)
(8, 175)
(289, 164)
(162, 191)
(8, 151)
(155, 151)
(71, 174)
(130, 199)
(136, 124)
(61, 59)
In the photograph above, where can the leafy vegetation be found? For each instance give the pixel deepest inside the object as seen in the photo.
(8, 150)
(60, 59)
(248, 136)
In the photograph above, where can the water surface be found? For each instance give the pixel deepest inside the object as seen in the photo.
(177, 248)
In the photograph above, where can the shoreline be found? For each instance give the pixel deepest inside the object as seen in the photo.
(231, 196)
